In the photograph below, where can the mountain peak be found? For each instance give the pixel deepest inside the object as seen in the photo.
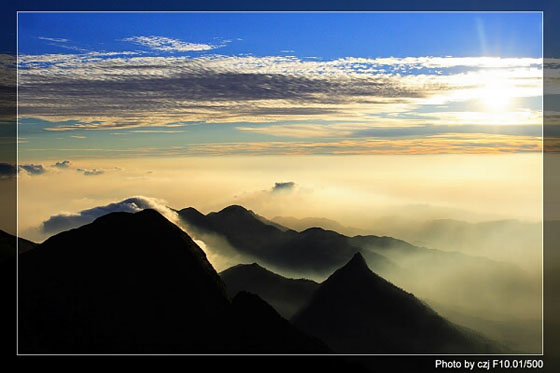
(357, 262)
(367, 314)
(234, 209)
(190, 210)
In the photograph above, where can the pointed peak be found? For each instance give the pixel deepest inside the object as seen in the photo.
(357, 261)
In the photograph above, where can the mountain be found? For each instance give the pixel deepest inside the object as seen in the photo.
(515, 241)
(444, 276)
(134, 283)
(314, 250)
(284, 294)
(312, 222)
(8, 246)
(243, 228)
(257, 321)
(447, 277)
(356, 311)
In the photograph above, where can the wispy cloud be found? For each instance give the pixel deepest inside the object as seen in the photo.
(57, 40)
(353, 130)
(166, 44)
(449, 143)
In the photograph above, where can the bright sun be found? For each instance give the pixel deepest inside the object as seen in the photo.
(495, 96)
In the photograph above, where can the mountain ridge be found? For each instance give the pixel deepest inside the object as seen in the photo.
(357, 311)
(286, 295)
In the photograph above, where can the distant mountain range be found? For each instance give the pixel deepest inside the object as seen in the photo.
(511, 240)
(301, 224)
(315, 253)
(314, 250)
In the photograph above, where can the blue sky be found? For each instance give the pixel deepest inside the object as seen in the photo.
(327, 36)
(275, 83)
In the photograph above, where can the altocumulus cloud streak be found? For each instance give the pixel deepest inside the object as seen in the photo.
(102, 91)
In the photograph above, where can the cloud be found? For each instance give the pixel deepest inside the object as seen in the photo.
(66, 221)
(33, 169)
(92, 172)
(444, 143)
(57, 40)
(165, 44)
(63, 164)
(341, 130)
(303, 130)
(106, 91)
(283, 186)
(7, 170)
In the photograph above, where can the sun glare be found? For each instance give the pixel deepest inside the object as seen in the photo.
(496, 96)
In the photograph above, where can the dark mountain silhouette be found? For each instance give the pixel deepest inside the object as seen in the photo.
(284, 294)
(8, 246)
(314, 250)
(8, 275)
(356, 311)
(257, 321)
(133, 283)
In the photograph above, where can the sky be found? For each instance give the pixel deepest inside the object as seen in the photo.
(278, 83)
(434, 114)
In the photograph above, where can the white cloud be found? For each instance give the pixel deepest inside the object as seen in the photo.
(65, 221)
(57, 40)
(165, 44)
